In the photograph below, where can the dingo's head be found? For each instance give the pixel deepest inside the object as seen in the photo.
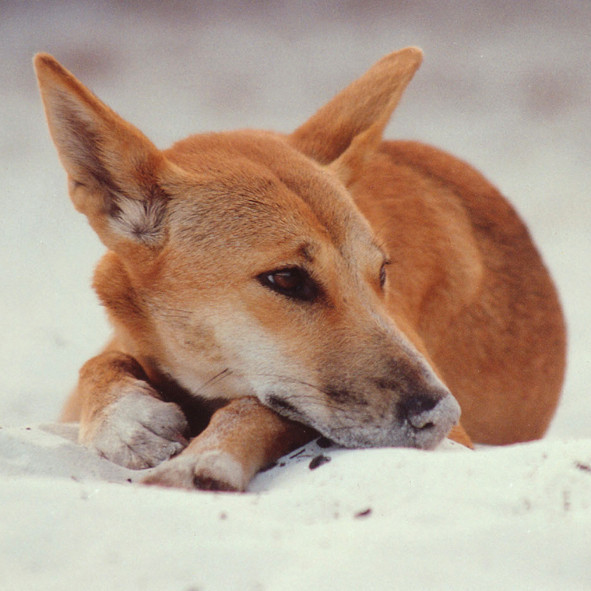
(239, 263)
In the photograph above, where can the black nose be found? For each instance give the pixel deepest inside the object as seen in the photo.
(415, 411)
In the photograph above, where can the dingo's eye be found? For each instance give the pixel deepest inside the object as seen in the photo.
(383, 273)
(292, 282)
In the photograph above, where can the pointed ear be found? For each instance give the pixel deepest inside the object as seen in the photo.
(350, 126)
(113, 169)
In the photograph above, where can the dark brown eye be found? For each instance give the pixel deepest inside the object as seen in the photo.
(383, 273)
(292, 282)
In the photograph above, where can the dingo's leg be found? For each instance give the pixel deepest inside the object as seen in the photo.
(122, 417)
(242, 438)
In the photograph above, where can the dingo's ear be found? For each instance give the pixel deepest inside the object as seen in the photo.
(350, 126)
(113, 169)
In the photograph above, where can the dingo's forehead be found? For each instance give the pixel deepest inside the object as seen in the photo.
(252, 187)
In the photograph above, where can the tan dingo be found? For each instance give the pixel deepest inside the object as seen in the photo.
(265, 288)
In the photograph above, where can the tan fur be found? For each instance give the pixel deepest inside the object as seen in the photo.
(245, 277)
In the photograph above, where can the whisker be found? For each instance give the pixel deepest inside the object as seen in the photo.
(295, 381)
(214, 380)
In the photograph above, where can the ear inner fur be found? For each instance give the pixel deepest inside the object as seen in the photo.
(113, 168)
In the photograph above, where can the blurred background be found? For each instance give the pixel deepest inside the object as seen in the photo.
(505, 85)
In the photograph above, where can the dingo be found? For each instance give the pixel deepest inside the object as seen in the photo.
(266, 287)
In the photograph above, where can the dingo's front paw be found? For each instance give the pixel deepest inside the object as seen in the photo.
(206, 470)
(138, 431)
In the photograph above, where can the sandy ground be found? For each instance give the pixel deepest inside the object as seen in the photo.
(504, 85)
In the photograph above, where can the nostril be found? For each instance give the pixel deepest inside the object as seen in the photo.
(415, 410)
(421, 422)
(426, 418)
(416, 405)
